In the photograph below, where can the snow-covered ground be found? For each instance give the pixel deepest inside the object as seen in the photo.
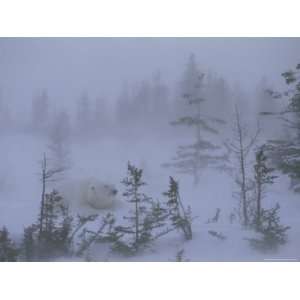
(106, 159)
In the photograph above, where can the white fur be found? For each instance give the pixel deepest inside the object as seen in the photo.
(89, 193)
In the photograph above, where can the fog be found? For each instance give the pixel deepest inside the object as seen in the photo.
(83, 116)
(67, 66)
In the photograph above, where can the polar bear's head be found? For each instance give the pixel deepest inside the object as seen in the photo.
(101, 195)
(89, 193)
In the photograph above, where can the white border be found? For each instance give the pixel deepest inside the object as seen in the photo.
(149, 280)
(149, 18)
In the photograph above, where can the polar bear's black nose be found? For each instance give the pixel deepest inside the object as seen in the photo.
(114, 191)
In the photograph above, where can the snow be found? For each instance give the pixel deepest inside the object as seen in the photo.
(106, 159)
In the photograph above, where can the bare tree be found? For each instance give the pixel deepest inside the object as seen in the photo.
(240, 147)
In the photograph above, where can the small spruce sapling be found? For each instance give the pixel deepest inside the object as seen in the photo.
(273, 233)
(57, 235)
(180, 218)
(139, 222)
(56, 226)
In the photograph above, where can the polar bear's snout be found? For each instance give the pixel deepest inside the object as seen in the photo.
(114, 192)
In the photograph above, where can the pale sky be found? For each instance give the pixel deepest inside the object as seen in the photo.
(67, 66)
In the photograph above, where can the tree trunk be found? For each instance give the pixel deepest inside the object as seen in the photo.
(243, 190)
(258, 207)
(137, 238)
(243, 171)
(44, 168)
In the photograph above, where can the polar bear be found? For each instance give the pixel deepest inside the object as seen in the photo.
(90, 192)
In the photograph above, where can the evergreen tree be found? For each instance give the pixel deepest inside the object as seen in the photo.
(29, 243)
(263, 177)
(8, 251)
(265, 103)
(139, 225)
(56, 227)
(144, 104)
(190, 159)
(266, 221)
(159, 110)
(101, 116)
(124, 109)
(84, 115)
(180, 217)
(159, 94)
(286, 152)
(273, 234)
(141, 103)
(148, 220)
(47, 175)
(58, 234)
(219, 94)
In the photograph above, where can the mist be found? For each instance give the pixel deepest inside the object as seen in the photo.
(204, 130)
(67, 66)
